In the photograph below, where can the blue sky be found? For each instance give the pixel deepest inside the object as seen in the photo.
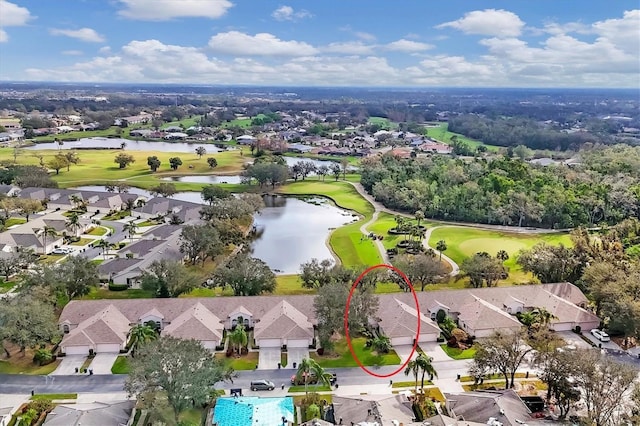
(541, 43)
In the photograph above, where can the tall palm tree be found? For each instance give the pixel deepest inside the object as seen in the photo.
(130, 228)
(139, 335)
(502, 255)
(74, 223)
(413, 368)
(309, 367)
(238, 338)
(419, 215)
(47, 231)
(424, 364)
(104, 245)
(441, 246)
(76, 200)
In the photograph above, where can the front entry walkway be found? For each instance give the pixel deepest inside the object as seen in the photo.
(268, 358)
(295, 355)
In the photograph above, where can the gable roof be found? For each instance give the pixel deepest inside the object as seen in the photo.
(196, 323)
(91, 414)
(106, 326)
(479, 406)
(398, 319)
(481, 315)
(283, 321)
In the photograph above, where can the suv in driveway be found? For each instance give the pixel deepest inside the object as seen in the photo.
(262, 385)
(600, 335)
(313, 379)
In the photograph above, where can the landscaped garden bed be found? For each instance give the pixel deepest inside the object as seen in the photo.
(341, 356)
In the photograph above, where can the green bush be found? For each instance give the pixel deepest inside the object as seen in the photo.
(313, 412)
(118, 287)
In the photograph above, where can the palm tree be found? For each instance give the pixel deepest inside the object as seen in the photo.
(104, 245)
(528, 318)
(140, 334)
(238, 338)
(73, 223)
(413, 368)
(47, 231)
(381, 344)
(130, 228)
(309, 367)
(543, 316)
(419, 215)
(441, 246)
(76, 200)
(502, 255)
(424, 365)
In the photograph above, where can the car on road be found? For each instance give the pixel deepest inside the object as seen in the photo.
(333, 378)
(600, 335)
(61, 250)
(262, 385)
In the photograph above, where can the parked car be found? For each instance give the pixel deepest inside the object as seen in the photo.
(60, 251)
(312, 379)
(262, 385)
(600, 335)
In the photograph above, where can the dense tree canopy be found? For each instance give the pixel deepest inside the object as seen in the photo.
(503, 191)
(246, 276)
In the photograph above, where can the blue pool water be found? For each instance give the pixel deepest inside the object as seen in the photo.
(252, 411)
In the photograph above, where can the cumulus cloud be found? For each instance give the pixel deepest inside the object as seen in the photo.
(261, 44)
(404, 45)
(12, 15)
(83, 34)
(163, 10)
(286, 13)
(349, 48)
(72, 52)
(488, 22)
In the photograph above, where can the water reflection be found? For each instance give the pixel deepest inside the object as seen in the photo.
(116, 143)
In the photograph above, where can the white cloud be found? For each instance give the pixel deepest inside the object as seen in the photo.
(623, 32)
(286, 13)
(404, 45)
(488, 22)
(105, 50)
(163, 10)
(262, 44)
(349, 48)
(84, 34)
(12, 15)
(72, 52)
(364, 36)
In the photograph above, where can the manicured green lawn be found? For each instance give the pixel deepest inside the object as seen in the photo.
(19, 364)
(40, 396)
(14, 221)
(342, 193)
(104, 293)
(443, 134)
(456, 353)
(291, 285)
(347, 243)
(78, 135)
(240, 122)
(463, 242)
(411, 384)
(496, 377)
(82, 242)
(5, 286)
(186, 122)
(208, 292)
(343, 357)
(121, 366)
(383, 122)
(51, 258)
(310, 388)
(98, 231)
(245, 362)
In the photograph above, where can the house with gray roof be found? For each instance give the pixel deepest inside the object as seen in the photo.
(91, 414)
(160, 206)
(489, 407)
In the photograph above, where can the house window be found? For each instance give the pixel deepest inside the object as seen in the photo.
(158, 325)
(65, 328)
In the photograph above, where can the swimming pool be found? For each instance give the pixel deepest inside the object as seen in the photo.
(252, 411)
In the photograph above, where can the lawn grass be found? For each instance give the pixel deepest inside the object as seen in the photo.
(383, 122)
(98, 231)
(463, 242)
(186, 122)
(240, 122)
(456, 353)
(245, 362)
(51, 258)
(121, 366)
(310, 388)
(442, 134)
(97, 167)
(497, 376)
(343, 357)
(411, 384)
(14, 221)
(82, 242)
(205, 292)
(342, 193)
(122, 214)
(111, 131)
(291, 285)
(22, 363)
(104, 293)
(284, 359)
(52, 396)
(5, 286)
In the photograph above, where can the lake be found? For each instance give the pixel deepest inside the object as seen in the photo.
(291, 231)
(293, 160)
(114, 143)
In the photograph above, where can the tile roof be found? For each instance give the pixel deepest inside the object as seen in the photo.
(283, 321)
(91, 414)
(481, 315)
(400, 320)
(196, 323)
(106, 326)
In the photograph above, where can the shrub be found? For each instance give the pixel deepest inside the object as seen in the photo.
(43, 356)
(320, 351)
(312, 412)
(118, 287)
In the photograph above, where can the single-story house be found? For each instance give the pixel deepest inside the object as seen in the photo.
(503, 406)
(245, 139)
(399, 322)
(115, 413)
(284, 325)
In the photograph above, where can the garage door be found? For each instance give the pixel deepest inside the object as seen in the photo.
(107, 348)
(269, 343)
(297, 343)
(401, 341)
(427, 338)
(77, 350)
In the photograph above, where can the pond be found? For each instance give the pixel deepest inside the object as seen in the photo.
(205, 179)
(291, 231)
(115, 143)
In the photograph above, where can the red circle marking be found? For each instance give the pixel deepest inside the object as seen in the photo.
(346, 320)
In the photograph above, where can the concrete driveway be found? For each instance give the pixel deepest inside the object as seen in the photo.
(404, 351)
(102, 363)
(296, 355)
(68, 365)
(573, 339)
(434, 350)
(268, 358)
(598, 343)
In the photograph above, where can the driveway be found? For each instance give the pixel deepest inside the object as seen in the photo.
(268, 358)
(68, 365)
(599, 344)
(404, 351)
(573, 339)
(434, 350)
(296, 355)
(102, 363)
